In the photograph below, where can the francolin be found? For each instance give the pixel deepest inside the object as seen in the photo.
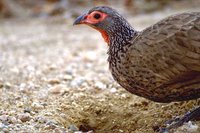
(160, 63)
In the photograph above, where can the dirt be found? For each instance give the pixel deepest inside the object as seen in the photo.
(55, 78)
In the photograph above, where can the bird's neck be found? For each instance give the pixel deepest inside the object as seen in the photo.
(120, 38)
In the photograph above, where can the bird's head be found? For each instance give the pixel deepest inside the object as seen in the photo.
(104, 19)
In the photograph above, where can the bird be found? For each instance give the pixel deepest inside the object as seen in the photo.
(160, 63)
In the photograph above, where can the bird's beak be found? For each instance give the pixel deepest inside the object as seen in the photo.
(80, 19)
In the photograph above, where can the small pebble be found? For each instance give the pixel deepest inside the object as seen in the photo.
(13, 120)
(5, 130)
(30, 68)
(51, 122)
(23, 87)
(78, 132)
(72, 128)
(37, 106)
(2, 126)
(52, 67)
(124, 95)
(77, 82)
(69, 70)
(7, 85)
(15, 70)
(27, 110)
(90, 55)
(100, 85)
(58, 89)
(41, 119)
(121, 131)
(90, 132)
(113, 90)
(53, 81)
(67, 77)
(50, 125)
(59, 130)
(4, 118)
(1, 84)
(24, 117)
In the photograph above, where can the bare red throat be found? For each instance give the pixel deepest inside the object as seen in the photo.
(104, 35)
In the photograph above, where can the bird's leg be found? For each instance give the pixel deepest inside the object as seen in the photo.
(191, 115)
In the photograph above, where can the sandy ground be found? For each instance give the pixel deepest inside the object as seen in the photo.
(54, 78)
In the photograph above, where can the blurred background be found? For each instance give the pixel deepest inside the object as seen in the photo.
(72, 8)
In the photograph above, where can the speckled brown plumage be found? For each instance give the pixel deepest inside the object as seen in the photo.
(162, 62)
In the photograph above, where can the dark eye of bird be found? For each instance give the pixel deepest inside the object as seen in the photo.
(97, 16)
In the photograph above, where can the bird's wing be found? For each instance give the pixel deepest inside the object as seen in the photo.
(168, 51)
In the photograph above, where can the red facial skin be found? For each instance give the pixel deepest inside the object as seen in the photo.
(90, 20)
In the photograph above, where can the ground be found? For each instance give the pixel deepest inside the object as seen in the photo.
(55, 78)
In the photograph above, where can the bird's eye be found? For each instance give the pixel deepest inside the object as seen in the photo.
(97, 15)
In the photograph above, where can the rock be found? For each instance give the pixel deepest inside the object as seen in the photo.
(5, 130)
(1, 84)
(77, 82)
(121, 131)
(52, 67)
(58, 89)
(27, 110)
(48, 114)
(90, 131)
(123, 95)
(51, 122)
(67, 77)
(90, 55)
(41, 119)
(50, 125)
(113, 90)
(24, 117)
(2, 126)
(4, 118)
(100, 85)
(59, 130)
(15, 70)
(30, 68)
(23, 87)
(72, 128)
(37, 106)
(7, 85)
(71, 69)
(53, 81)
(13, 120)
